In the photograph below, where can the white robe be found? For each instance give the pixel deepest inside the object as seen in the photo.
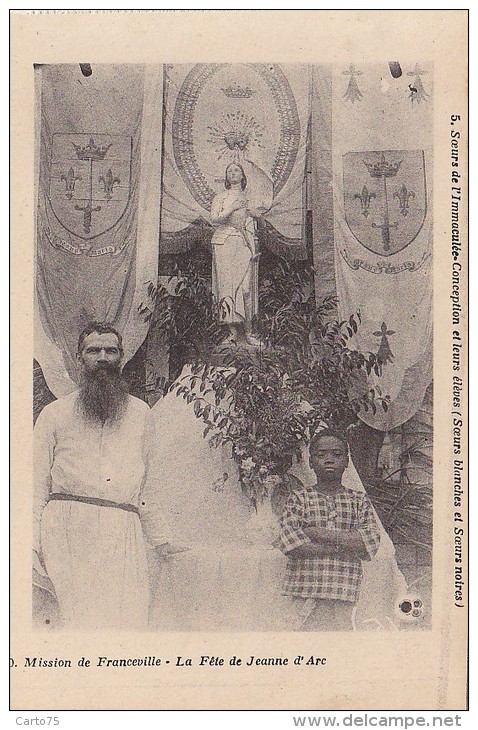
(95, 556)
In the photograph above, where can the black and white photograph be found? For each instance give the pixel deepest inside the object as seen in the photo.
(233, 347)
(239, 317)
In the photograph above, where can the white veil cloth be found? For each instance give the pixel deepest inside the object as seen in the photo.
(230, 578)
(383, 586)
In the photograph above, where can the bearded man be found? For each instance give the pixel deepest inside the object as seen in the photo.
(92, 498)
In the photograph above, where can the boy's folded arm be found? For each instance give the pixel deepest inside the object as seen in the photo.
(352, 542)
(320, 535)
(347, 542)
(292, 538)
(309, 550)
(308, 542)
(292, 535)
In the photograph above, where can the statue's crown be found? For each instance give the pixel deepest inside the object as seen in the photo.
(383, 168)
(91, 151)
(235, 91)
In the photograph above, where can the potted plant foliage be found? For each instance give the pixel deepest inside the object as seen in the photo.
(265, 402)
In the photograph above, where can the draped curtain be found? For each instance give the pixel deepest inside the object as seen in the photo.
(97, 227)
(372, 155)
(254, 114)
(113, 179)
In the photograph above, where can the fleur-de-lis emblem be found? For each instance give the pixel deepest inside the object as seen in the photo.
(404, 196)
(70, 180)
(108, 181)
(384, 353)
(365, 198)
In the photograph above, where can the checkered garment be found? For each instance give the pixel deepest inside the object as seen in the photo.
(328, 577)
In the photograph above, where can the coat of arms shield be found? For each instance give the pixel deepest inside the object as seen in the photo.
(385, 198)
(90, 181)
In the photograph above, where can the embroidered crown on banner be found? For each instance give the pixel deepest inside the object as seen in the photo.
(383, 168)
(91, 151)
(234, 91)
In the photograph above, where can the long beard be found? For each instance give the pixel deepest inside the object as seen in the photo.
(103, 395)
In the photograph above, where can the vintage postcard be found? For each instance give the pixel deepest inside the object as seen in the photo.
(239, 287)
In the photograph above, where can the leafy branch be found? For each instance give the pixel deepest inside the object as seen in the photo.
(265, 402)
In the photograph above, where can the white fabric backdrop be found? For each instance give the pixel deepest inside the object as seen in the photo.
(212, 115)
(386, 119)
(85, 108)
(231, 578)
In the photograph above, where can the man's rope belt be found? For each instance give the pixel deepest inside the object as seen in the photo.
(60, 496)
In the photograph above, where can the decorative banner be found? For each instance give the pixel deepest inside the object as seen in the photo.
(385, 198)
(320, 198)
(382, 177)
(253, 114)
(98, 202)
(90, 198)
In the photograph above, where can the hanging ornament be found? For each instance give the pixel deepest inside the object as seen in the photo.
(353, 92)
(416, 91)
(384, 353)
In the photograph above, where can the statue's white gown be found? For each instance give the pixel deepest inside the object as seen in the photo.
(230, 579)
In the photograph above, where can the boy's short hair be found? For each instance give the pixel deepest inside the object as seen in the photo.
(328, 433)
